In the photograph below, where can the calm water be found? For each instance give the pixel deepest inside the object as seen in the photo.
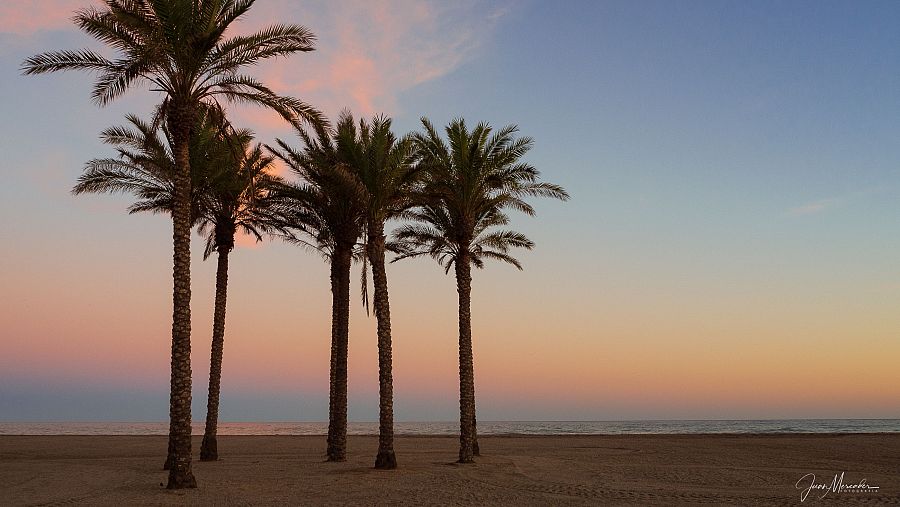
(484, 427)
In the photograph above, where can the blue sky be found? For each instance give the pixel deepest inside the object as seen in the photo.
(735, 175)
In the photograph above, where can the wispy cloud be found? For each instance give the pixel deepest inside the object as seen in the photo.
(822, 205)
(813, 207)
(369, 52)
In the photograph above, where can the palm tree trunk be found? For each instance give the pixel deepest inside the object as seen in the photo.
(209, 450)
(386, 459)
(340, 330)
(180, 475)
(466, 362)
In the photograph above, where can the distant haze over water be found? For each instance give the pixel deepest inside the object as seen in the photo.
(484, 427)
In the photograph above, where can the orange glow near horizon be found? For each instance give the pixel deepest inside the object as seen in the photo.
(591, 365)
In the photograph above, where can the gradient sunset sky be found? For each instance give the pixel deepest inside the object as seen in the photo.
(731, 249)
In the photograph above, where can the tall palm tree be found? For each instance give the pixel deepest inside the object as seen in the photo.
(467, 186)
(179, 48)
(230, 184)
(327, 206)
(385, 166)
(238, 199)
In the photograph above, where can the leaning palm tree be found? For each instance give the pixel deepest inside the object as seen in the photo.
(238, 199)
(179, 48)
(326, 211)
(385, 166)
(467, 186)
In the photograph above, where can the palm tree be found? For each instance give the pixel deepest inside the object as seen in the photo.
(179, 48)
(385, 166)
(467, 186)
(238, 199)
(327, 205)
(230, 186)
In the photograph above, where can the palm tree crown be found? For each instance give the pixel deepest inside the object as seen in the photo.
(467, 186)
(145, 166)
(231, 181)
(240, 196)
(179, 47)
(327, 202)
(382, 162)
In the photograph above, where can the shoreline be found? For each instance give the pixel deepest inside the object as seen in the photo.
(480, 435)
(506, 428)
(737, 469)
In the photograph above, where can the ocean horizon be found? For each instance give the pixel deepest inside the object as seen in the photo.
(439, 428)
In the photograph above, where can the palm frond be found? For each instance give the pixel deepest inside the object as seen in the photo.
(54, 61)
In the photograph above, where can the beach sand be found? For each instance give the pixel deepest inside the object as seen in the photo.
(519, 470)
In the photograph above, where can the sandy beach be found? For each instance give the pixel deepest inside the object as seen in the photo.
(544, 470)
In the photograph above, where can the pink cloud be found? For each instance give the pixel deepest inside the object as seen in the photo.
(369, 52)
(25, 17)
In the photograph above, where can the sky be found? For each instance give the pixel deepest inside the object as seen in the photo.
(731, 249)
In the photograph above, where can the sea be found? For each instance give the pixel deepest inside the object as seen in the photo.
(484, 427)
